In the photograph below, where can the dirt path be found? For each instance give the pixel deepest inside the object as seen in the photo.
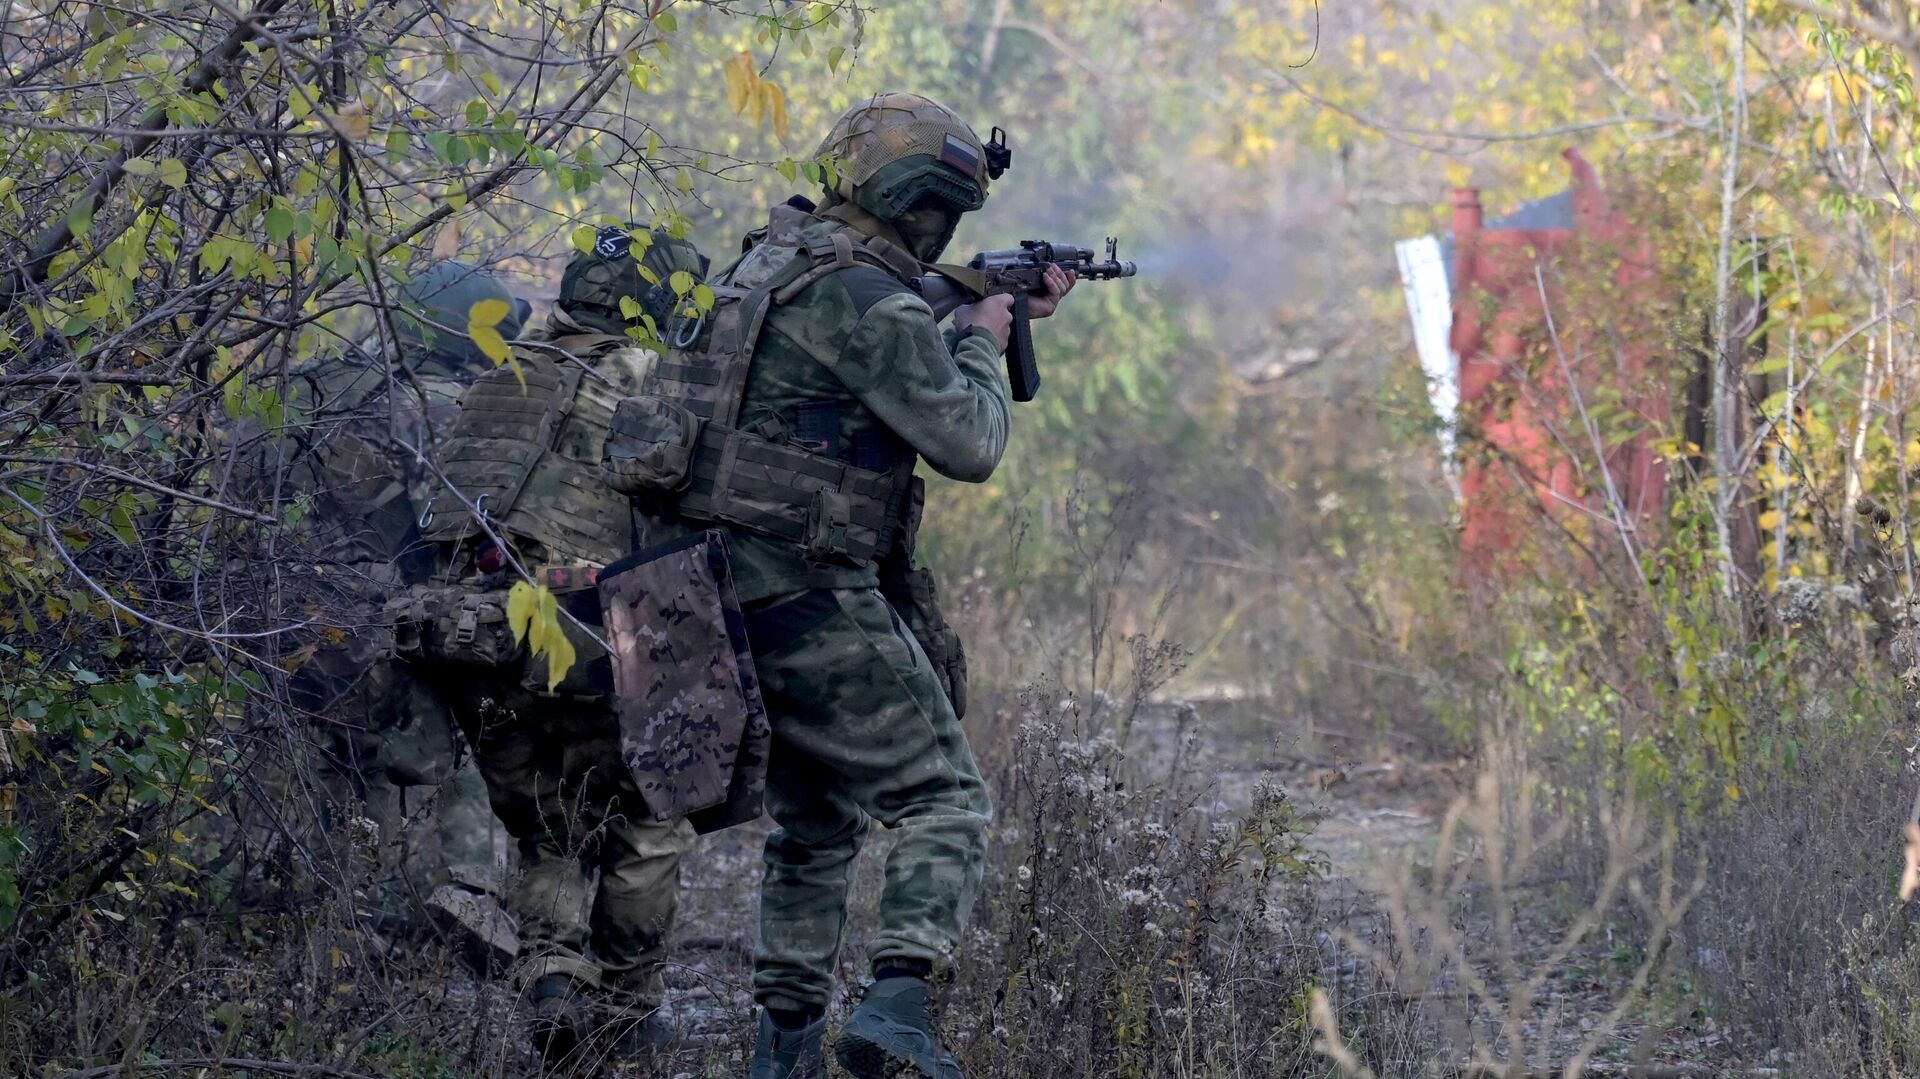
(1375, 815)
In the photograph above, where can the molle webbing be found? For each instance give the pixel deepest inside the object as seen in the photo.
(505, 457)
(778, 490)
(832, 508)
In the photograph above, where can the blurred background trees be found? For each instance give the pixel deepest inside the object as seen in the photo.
(1231, 475)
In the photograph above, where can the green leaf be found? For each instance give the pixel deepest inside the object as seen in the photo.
(583, 238)
(279, 223)
(787, 169)
(703, 298)
(681, 282)
(833, 58)
(121, 522)
(666, 22)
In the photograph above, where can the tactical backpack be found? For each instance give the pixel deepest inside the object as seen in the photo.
(678, 447)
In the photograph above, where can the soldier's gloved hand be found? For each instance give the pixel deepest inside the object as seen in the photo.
(1059, 282)
(993, 314)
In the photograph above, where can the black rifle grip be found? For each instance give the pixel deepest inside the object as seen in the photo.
(1023, 371)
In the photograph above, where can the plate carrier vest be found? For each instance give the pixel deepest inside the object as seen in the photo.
(525, 456)
(678, 447)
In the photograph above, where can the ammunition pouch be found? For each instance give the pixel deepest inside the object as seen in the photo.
(693, 728)
(462, 626)
(650, 446)
(451, 624)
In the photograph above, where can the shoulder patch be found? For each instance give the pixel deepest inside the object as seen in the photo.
(867, 286)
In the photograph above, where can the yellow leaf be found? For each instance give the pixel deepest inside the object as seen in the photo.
(482, 320)
(490, 343)
(488, 312)
(520, 604)
(542, 628)
(583, 238)
(741, 81)
(560, 657)
(352, 122)
(447, 243)
(777, 108)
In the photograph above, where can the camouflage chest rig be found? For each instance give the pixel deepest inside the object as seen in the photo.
(679, 449)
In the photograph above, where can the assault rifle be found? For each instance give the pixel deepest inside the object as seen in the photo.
(1018, 272)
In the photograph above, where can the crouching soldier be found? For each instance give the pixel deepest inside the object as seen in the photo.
(388, 746)
(598, 882)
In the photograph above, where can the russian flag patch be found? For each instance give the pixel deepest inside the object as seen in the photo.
(961, 157)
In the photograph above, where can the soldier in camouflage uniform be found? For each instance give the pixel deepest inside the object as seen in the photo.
(389, 744)
(851, 366)
(598, 883)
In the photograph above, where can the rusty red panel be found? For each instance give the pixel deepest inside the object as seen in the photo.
(1528, 461)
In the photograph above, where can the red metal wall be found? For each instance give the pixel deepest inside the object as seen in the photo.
(1528, 459)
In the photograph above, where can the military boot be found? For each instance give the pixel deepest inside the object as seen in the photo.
(891, 1033)
(559, 1021)
(789, 1054)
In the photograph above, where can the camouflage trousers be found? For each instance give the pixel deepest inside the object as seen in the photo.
(599, 882)
(861, 732)
(389, 747)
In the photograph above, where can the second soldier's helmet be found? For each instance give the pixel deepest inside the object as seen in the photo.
(434, 307)
(897, 152)
(598, 278)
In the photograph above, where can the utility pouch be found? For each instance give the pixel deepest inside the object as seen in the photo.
(453, 624)
(829, 517)
(693, 728)
(650, 446)
(591, 676)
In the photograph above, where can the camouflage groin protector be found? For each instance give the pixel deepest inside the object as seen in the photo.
(693, 729)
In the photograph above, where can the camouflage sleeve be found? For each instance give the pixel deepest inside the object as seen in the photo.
(944, 394)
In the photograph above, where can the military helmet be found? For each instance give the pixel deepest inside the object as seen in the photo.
(434, 307)
(894, 152)
(597, 279)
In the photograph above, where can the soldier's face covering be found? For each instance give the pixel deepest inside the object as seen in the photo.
(927, 230)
